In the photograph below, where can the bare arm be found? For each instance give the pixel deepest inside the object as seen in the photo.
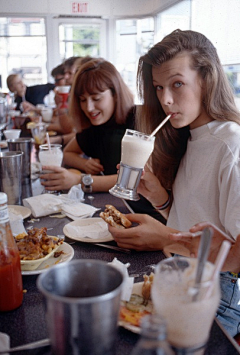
(72, 158)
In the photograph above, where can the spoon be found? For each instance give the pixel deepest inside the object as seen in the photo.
(203, 252)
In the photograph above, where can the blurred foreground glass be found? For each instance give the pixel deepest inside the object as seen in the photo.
(82, 306)
(136, 149)
(153, 337)
(188, 320)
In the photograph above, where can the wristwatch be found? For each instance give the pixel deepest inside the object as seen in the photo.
(87, 181)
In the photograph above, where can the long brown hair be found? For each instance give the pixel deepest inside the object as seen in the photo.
(99, 74)
(218, 100)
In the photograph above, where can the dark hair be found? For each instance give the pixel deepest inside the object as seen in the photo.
(218, 100)
(59, 70)
(70, 61)
(99, 74)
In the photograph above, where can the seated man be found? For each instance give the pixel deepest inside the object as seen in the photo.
(26, 95)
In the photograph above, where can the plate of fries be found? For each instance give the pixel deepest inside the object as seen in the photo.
(36, 248)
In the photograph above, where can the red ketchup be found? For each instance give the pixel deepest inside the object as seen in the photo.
(11, 290)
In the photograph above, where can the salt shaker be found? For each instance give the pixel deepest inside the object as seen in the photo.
(11, 290)
(153, 337)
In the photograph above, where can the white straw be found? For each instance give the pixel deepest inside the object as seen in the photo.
(218, 265)
(160, 126)
(48, 141)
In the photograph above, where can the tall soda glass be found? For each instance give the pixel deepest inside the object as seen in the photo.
(188, 310)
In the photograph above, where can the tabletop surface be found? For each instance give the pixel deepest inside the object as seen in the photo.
(27, 323)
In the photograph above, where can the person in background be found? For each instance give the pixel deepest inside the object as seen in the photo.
(62, 122)
(27, 96)
(58, 73)
(101, 106)
(195, 167)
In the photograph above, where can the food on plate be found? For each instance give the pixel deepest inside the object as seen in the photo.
(36, 244)
(132, 311)
(147, 286)
(115, 218)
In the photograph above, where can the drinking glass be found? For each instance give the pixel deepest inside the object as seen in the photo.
(63, 91)
(189, 318)
(50, 155)
(38, 131)
(136, 149)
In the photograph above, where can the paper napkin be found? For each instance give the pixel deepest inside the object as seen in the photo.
(16, 223)
(43, 205)
(95, 230)
(46, 204)
(75, 210)
(128, 282)
(4, 342)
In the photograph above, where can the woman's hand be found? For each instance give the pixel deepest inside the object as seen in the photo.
(150, 234)
(191, 242)
(59, 178)
(93, 166)
(151, 188)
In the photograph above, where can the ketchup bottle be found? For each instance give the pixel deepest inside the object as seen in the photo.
(11, 290)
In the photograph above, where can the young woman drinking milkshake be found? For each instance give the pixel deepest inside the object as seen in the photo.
(194, 172)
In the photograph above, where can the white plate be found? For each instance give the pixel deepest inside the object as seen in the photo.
(137, 290)
(67, 256)
(82, 225)
(3, 144)
(20, 210)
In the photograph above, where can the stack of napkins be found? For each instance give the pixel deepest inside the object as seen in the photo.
(128, 281)
(47, 204)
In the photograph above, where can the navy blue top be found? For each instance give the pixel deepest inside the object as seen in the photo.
(35, 94)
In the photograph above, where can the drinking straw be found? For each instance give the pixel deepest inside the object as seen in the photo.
(218, 265)
(159, 126)
(48, 141)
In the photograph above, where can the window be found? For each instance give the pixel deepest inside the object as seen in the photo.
(79, 40)
(23, 49)
(134, 37)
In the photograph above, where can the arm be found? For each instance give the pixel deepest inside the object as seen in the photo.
(63, 179)
(191, 242)
(148, 235)
(151, 188)
(72, 158)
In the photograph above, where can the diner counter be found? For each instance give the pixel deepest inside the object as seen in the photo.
(27, 323)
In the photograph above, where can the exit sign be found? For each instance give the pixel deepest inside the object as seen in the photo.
(79, 7)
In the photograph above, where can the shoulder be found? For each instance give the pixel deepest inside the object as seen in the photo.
(228, 132)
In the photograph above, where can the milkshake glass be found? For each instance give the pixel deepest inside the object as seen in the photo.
(189, 318)
(53, 156)
(135, 152)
